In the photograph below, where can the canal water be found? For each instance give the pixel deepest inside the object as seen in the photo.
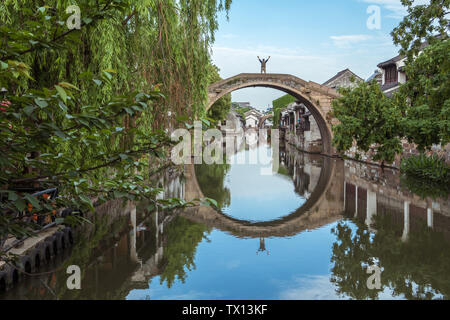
(311, 230)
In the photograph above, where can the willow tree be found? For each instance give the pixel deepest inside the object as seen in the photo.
(73, 96)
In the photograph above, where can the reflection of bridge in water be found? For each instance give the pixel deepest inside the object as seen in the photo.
(323, 205)
(332, 187)
(135, 247)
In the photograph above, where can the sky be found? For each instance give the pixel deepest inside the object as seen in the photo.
(312, 40)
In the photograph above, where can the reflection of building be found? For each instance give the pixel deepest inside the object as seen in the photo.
(369, 195)
(251, 139)
(304, 169)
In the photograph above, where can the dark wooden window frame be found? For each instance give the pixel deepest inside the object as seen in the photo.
(391, 74)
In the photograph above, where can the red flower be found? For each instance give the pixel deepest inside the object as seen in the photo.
(5, 104)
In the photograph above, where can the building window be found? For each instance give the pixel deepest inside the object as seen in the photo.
(391, 74)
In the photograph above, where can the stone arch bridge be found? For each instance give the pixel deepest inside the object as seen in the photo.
(263, 120)
(317, 98)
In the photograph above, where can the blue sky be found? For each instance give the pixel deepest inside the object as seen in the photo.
(310, 39)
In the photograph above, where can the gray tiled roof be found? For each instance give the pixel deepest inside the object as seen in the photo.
(390, 61)
(340, 74)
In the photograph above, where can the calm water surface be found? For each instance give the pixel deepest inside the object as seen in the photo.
(308, 231)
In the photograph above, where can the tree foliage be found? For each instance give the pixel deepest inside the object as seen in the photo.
(211, 179)
(219, 110)
(183, 237)
(419, 110)
(280, 104)
(416, 269)
(81, 107)
(369, 118)
(422, 24)
(426, 97)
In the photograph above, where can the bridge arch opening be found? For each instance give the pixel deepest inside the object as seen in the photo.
(313, 213)
(291, 85)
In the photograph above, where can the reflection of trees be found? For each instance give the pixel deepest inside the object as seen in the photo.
(425, 188)
(417, 269)
(183, 237)
(211, 179)
(92, 242)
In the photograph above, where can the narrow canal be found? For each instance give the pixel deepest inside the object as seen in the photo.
(309, 231)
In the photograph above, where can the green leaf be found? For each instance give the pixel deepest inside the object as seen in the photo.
(87, 201)
(211, 201)
(68, 86)
(20, 204)
(33, 201)
(87, 20)
(119, 194)
(41, 103)
(62, 93)
(12, 196)
(29, 110)
(108, 75)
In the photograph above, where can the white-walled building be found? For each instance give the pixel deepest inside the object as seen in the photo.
(392, 74)
(301, 128)
(252, 118)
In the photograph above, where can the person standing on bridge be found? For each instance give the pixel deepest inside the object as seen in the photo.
(263, 64)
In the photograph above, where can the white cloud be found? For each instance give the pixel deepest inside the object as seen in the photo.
(348, 40)
(395, 7)
(310, 288)
(319, 287)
